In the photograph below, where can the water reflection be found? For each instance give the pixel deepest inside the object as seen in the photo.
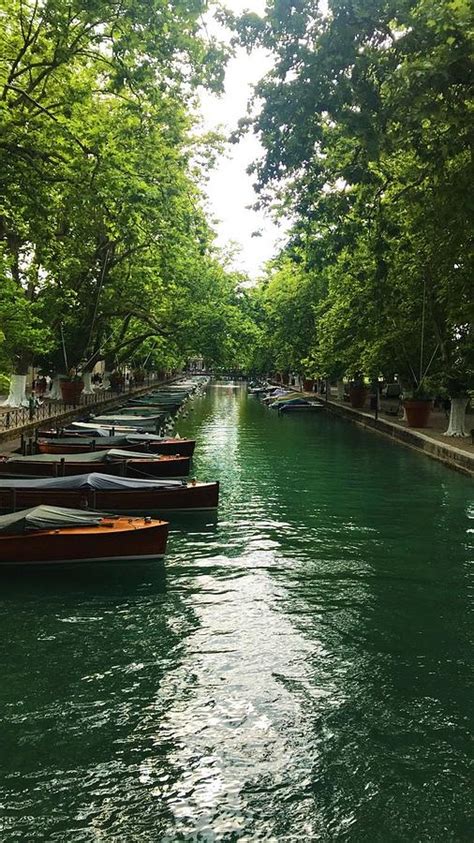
(300, 671)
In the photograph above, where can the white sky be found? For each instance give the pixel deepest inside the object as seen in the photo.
(229, 188)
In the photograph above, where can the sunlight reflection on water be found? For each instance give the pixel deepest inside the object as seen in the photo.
(299, 671)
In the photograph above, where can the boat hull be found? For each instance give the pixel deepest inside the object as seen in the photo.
(193, 497)
(125, 539)
(167, 447)
(301, 409)
(167, 466)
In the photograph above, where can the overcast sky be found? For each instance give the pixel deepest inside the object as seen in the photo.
(230, 189)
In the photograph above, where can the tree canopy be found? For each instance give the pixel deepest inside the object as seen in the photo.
(365, 119)
(366, 124)
(105, 246)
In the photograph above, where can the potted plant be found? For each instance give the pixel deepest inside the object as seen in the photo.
(71, 387)
(418, 406)
(117, 380)
(358, 391)
(138, 375)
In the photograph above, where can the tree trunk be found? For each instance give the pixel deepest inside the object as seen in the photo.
(340, 390)
(457, 417)
(88, 386)
(17, 394)
(55, 392)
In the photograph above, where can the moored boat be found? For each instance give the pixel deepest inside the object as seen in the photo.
(77, 444)
(48, 534)
(111, 461)
(149, 423)
(298, 405)
(105, 492)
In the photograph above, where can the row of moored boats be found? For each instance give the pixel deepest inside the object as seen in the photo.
(282, 399)
(57, 501)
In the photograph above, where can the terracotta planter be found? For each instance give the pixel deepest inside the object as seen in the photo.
(71, 391)
(308, 384)
(357, 395)
(418, 411)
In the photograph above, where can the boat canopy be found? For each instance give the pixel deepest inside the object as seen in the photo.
(108, 455)
(48, 518)
(94, 480)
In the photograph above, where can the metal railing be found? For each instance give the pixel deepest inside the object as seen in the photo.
(50, 409)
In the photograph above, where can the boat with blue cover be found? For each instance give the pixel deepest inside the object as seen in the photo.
(111, 494)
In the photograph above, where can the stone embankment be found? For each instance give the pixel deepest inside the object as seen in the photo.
(455, 453)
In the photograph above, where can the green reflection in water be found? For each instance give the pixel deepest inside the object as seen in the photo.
(301, 670)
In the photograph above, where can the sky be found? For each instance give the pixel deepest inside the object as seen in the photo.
(229, 189)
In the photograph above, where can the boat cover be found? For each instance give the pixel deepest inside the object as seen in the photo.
(142, 412)
(98, 432)
(94, 480)
(88, 428)
(133, 419)
(108, 455)
(134, 423)
(107, 442)
(48, 518)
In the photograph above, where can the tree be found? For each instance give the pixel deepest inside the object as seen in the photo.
(367, 134)
(101, 211)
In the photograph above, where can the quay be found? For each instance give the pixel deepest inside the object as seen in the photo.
(429, 441)
(456, 453)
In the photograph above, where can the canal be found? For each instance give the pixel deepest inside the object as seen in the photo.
(300, 671)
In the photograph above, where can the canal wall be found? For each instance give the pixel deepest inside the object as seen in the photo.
(444, 452)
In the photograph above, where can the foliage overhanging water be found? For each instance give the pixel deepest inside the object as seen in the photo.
(301, 670)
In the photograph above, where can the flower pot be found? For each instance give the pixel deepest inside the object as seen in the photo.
(71, 391)
(357, 395)
(418, 411)
(308, 384)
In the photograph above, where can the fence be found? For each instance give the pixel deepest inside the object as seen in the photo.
(48, 410)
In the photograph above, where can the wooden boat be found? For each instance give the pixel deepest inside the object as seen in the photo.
(111, 494)
(149, 410)
(152, 444)
(49, 534)
(112, 461)
(141, 412)
(150, 423)
(161, 397)
(108, 429)
(298, 405)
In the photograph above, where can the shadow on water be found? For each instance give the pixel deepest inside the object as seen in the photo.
(108, 580)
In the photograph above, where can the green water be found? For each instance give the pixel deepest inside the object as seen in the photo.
(300, 672)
